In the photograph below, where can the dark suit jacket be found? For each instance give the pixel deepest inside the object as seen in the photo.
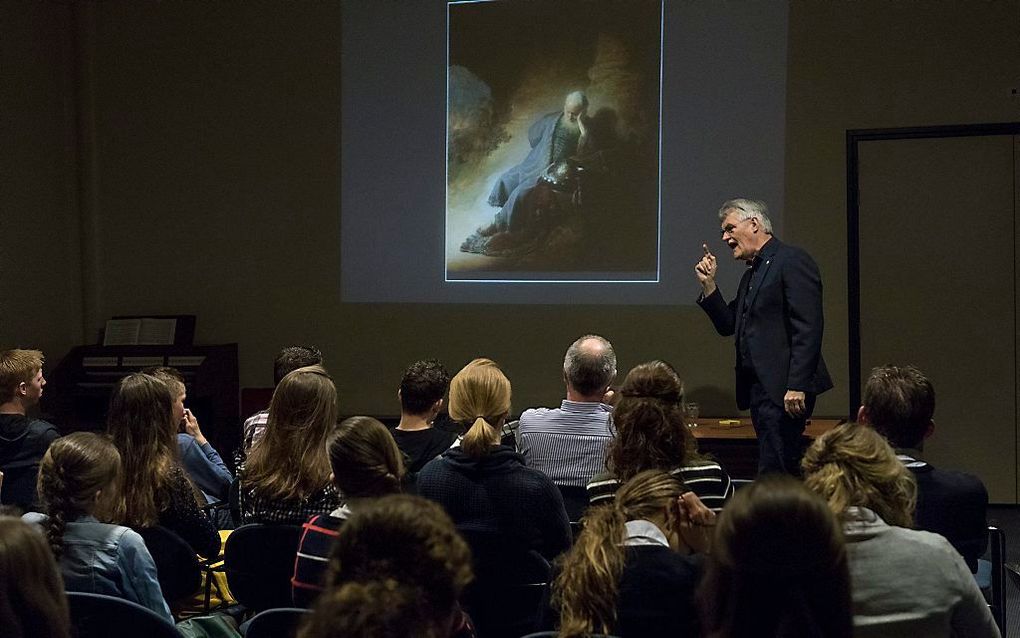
(952, 504)
(782, 326)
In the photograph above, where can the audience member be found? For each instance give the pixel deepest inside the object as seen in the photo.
(23, 440)
(287, 360)
(78, 482)
(157, 490)
(778, 567)
(625, 574)
(200, 460)
(904, 582)
(484, 486)
(421, 398)
(366, 464)
(568, 443)
(651, 434)
(286, 478)
(32, 600)
(899, 402)
(397, 571)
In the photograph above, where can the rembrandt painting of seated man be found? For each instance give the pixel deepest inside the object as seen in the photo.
(553, 140)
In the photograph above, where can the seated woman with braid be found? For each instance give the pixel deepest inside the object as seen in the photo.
(905, 582)
(778, 567)
(78, 484)
(631, 572)
(651, 434)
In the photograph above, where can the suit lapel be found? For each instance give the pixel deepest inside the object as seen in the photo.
(764, 268)
(741, 292)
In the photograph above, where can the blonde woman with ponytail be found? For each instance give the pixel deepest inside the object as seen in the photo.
(78, 485)
(631, 572)
(484, 486)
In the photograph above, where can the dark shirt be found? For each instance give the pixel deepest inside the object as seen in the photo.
(317, 536)
(497, 494)
(183, 516)
(951, 504)
(23, 442)
(656, 595)
(421, 446)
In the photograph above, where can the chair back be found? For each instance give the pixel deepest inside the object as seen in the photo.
(276, 623)
(177, 566)
(510, 594)
(259, 562)
(99, 616)
(575, 500)
(997, 592)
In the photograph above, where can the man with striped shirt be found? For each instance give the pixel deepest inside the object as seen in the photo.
(568, 443)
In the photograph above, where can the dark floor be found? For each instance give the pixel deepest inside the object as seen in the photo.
(1007, 518)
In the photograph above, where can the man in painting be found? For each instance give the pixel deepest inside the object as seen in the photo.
(554, 139)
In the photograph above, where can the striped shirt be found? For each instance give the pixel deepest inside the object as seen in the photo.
(317, 536)
(706, 479)
(567, 444)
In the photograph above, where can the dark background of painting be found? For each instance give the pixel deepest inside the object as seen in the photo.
(723, 127)
(530, 55)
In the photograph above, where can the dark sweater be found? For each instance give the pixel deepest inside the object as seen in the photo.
(497, 494)
(23, 442)
(183, 516)
(656, 595)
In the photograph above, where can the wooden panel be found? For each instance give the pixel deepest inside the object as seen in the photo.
(938, 266)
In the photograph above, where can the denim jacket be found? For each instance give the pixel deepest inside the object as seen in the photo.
(99, 558)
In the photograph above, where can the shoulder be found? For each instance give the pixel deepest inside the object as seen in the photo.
(43, 429)
(791, 254)
(533, 416)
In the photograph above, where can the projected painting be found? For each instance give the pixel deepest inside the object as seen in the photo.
(553, 141)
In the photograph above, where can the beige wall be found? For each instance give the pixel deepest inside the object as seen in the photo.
(216, 131)
(40, 283)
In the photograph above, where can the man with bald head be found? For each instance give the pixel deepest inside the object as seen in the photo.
(568, 443)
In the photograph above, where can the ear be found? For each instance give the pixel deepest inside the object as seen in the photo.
(438, 405)
(862, 415)
(398, 394)
(930, 429)
(22, 388)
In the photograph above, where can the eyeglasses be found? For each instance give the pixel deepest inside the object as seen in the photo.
(729, 228)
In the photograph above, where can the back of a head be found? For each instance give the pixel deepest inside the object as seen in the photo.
(853, 466)
(587, 584)
(778, 566)
(74, 469)
(17, 367)
(140, 423)
(590, 365)
(291, 358)
(384, 608)
(650, 429)
(170, 376)
(900, 403)
(423, 383)
(480, 398)
(404, 545)
(32, 600)
(291, 461)
(365, 459)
